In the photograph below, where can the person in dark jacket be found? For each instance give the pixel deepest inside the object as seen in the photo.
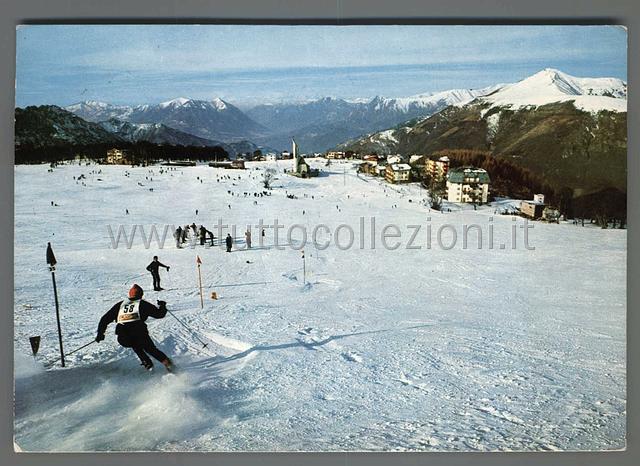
(154, 269)
(178, 236)
(229, 241)
(131, 329)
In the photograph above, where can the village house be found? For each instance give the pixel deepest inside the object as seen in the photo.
(394, 158)
(271, 157)
(335, 154)
(533, 208)
(285, 155)
(368, 167)
(468, 184)
(117, 157)
(437, 169)
(397, 173)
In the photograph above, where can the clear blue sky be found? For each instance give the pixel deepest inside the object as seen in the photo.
(247, 65)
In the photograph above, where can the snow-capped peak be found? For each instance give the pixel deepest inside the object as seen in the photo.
(551, 85)
(448, 97)
(89, 104)
(179, 102)
(219, 104)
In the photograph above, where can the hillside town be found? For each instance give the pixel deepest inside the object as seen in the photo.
(461, 184)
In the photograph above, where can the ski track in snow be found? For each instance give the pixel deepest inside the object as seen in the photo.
(426, 350)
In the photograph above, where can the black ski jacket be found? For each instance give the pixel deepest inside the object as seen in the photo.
(155, 265)
(132, 328)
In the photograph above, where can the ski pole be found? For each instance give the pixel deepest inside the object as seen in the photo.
(204, 345)
(83, 346)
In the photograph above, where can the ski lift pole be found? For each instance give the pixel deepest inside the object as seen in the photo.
(51, 260)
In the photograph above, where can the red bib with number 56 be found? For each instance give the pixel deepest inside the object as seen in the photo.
(129, 312)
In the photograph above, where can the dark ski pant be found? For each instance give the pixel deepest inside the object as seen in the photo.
(156, 280)
(143, 346)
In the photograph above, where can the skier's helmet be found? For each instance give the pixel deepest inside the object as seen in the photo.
(135, 292)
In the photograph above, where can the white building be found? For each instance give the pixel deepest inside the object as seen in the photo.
(398, 173)
(468, 184)
(394, 159)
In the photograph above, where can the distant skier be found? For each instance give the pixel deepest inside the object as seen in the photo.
(229, 241)
(178, 236)
(130, 316)
(154, 269)
(247, 237)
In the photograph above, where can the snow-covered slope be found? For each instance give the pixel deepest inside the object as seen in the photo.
(550, 86)
(404, 349)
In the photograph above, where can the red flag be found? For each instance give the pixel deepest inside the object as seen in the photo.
(198, 261)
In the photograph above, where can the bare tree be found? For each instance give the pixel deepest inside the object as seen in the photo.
(268, 177)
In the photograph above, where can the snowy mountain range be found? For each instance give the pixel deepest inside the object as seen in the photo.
(550, 123)
(48, 125)
(325, 123)
(157, 133)
(317, 125)
(321, 124)
(550, 86)
(214, 119)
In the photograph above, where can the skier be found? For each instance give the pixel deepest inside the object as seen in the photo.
(178, 236)
(229, 242)
(247, 237)
(154, 269)
(130, 315)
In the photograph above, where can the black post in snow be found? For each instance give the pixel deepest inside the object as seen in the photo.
(51, 260)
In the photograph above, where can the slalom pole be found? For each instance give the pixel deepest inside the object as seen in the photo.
(304, 269)
(204, 345)
(82, 347)
(199, 262)
(51, 260)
